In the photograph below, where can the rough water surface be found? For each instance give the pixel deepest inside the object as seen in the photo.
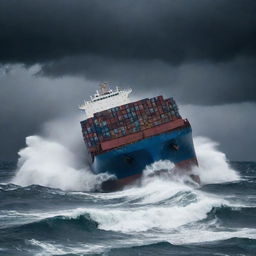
(48, 207)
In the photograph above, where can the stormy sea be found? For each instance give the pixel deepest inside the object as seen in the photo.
(50, 206)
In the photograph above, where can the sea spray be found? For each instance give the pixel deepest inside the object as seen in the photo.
(67, 132)
(51, 164)
(57, 158)
(213, 164)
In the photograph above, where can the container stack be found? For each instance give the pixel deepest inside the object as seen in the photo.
(127, 119)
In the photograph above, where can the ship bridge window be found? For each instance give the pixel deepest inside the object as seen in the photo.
(102, 98)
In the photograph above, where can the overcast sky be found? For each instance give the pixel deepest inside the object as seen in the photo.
(53, 54)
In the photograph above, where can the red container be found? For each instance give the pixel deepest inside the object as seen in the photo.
(160, 98)
(163, 128)
(150, 113)
(121, 141)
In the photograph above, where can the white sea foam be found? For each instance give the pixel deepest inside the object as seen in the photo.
(213, 164)
(184, 237)
(49, 249)
(174, 211)
(138, 220)
(54, 159)
(195, 235)
(179, 205)
(50, 164)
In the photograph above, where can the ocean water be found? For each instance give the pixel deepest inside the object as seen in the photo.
(48, 206)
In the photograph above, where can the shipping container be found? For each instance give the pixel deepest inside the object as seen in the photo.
(128, 120)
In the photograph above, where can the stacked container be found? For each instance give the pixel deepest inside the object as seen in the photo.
(127, 119)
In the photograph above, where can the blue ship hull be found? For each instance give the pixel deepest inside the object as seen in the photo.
(130, 160)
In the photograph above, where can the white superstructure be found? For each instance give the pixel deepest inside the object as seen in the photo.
(105, 99)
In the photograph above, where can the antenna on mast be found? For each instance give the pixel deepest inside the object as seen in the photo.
(103, 88)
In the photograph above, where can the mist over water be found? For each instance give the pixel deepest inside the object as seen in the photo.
(163, 215)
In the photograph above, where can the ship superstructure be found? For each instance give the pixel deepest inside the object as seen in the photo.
(105, 98)
(124, 137)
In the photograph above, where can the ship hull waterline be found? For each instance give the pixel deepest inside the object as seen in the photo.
(127, 163)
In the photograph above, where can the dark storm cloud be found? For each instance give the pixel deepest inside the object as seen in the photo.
(196, 83)
(175, 31)
(201, 50)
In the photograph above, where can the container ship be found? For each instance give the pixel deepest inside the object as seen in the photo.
(123, 137)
